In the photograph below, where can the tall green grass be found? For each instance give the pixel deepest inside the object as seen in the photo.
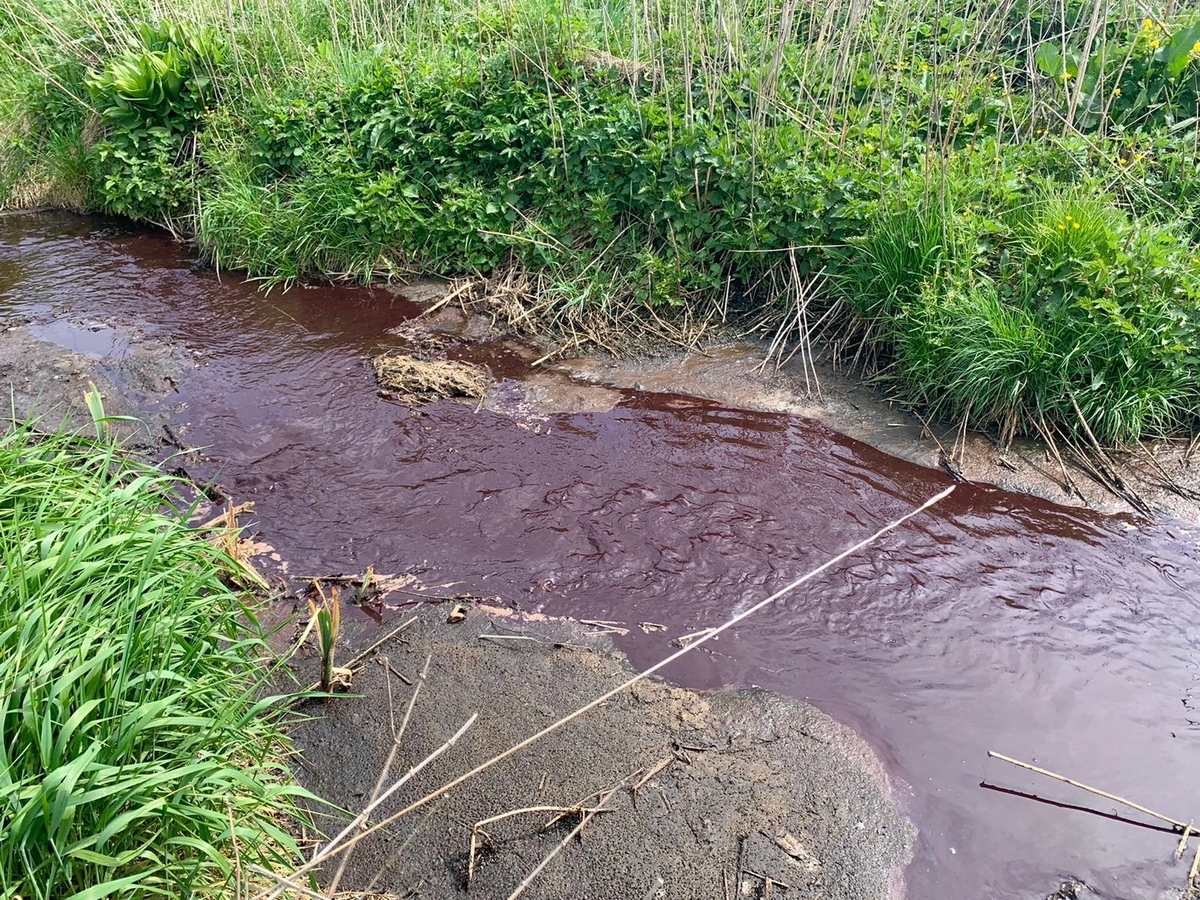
(136, 758)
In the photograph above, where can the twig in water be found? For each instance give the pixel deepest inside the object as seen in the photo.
(228, 516)
(686, 640)
(1016, 762)
(1191, 885)
(621, 688)
(1182, 848)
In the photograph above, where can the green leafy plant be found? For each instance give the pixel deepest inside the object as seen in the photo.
(153, 99)
(328, 619)
(139, 756)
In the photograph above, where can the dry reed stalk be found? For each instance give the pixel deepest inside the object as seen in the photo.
(478, 828)
(583, 821)
(335, 845)
(397, 737)
(1091, 790)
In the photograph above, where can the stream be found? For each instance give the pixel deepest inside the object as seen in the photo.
(993, 622)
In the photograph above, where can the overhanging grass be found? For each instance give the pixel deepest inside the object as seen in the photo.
(134, 748)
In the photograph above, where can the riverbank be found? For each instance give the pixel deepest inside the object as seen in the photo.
(140, 758)
(1151, 478)
(712, 793)
(996, 621)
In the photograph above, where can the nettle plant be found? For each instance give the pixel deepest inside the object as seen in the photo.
(153, 99)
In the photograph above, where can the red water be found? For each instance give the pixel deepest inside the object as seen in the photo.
(994, 622)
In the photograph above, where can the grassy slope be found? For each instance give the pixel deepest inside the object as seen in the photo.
(999, 203)
(134, 748)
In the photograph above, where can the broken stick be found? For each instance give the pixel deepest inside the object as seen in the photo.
(1016, 762)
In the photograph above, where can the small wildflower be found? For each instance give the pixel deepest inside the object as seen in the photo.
(1075, 225)
(1062, 227)
(1069, 218)
(1116, 92)
(1147, 24)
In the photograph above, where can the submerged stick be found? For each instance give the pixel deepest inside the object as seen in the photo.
(1091, 790)
(604, 698)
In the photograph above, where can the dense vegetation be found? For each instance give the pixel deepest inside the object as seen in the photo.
(135, 759)
(996, 205)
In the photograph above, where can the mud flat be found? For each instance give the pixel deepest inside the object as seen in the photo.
(42, 378)
(1164, 475)
(715, 792)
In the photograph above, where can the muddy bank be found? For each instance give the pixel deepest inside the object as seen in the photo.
(136, 377)
(705, 781)
(1165, 475)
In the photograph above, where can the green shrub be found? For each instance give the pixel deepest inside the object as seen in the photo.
(152, 100)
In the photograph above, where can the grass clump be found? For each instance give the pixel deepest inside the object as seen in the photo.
(136, 752)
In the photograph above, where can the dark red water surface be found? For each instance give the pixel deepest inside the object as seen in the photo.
(993, 622)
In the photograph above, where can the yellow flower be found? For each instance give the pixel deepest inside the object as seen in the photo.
(1069, 218)
(1116, 92)
(1062, 227)
(1147, 24)
(1155, 44)
(1076, 225)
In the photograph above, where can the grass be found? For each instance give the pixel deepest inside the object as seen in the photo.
(137, 759)
(632, 161)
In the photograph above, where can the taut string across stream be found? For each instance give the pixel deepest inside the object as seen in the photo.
(1059, 636)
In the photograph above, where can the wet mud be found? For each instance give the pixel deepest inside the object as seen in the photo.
(999, 621)
(712, 793)
(1162, 475)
